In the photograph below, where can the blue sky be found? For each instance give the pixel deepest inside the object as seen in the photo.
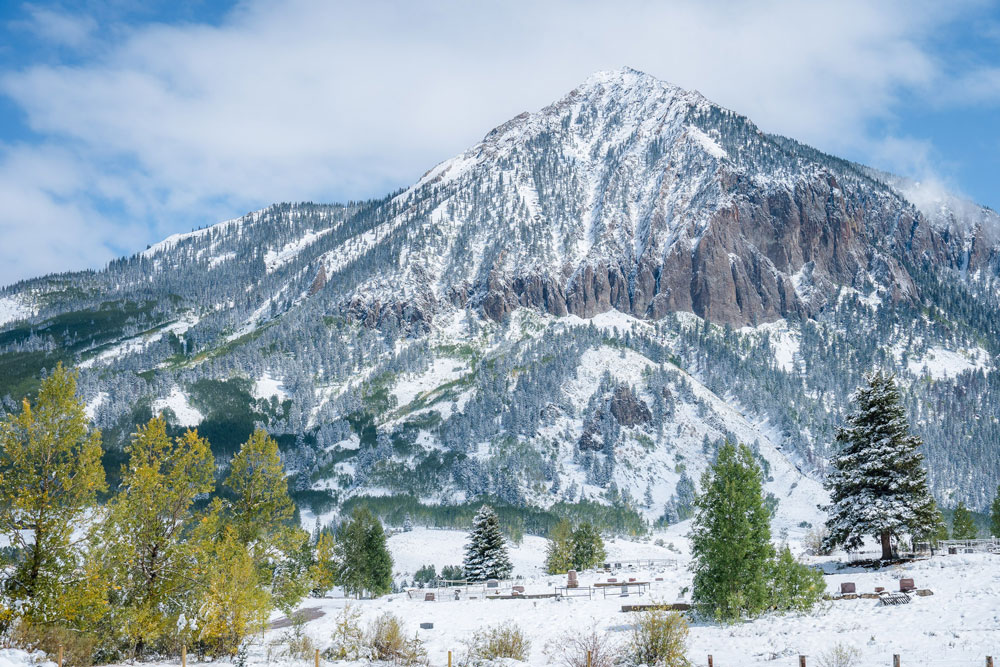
(122, 122)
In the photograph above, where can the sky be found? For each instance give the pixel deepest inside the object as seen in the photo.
(122, 122)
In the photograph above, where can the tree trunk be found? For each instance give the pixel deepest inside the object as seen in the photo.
(886, 547)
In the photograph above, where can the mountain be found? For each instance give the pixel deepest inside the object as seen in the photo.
(581, 307)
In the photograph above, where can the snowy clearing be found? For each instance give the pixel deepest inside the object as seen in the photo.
(12, 309)
(177, 401)
(941, 363)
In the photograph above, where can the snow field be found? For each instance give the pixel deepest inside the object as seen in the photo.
(958, 625)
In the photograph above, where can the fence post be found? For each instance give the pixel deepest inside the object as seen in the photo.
(317, 657)
(802, 661)
(184, 655)
(895, 660)
(709, 660)
(449, 658)
(588, 658)
(989, 661)
(60, 655)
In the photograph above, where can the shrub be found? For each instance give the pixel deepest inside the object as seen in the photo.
(839, 655)
(387, 642)
(295, 643)
(501, 641)
(384, 640)
(78, 648)
(348, 636)
(572, 650)
(794, 586)
(658, 637)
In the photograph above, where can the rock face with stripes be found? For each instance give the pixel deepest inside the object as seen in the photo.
(632, 194)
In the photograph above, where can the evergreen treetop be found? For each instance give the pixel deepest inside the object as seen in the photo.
(731, 538)
(963, 527)
(486, 553)
(878, 486)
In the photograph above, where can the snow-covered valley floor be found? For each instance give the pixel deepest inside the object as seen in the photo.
(958, 625)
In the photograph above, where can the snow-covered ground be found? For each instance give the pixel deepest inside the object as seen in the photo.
(13, 308)
(185, 414)
(958, 625)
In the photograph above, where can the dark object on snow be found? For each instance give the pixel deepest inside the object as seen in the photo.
(571, 580)
(426, 626)
(906, 585)
(492, 583)
(888, 599)
(847, 587)
(428, 597)
(924, 592)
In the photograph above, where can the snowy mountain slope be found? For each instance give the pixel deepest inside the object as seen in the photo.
(580, 307)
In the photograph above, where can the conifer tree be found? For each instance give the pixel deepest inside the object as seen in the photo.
(261, 513)
(936, 530)
(731, 538)
(559, 550)
(963, 527)
(878, 485)
(364, 564)
(995, 515)
(587, 547)
(50, 472)
(150, 565)
(486, 553)
(324, 569)
(261, 504)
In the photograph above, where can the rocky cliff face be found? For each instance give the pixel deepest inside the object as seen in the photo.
(632, 194)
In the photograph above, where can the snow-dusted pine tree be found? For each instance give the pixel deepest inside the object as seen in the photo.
(486, 553)
(878, 485)
(407, 524)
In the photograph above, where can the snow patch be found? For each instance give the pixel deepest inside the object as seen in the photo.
(707, 142)
(941, 363)
(275, 259)
(267, 386)
(13, 308)
(185, 414)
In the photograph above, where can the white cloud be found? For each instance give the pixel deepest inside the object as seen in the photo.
(177, 126)
(59, 28)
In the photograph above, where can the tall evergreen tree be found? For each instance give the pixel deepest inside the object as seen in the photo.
(878, 485)
(587, 547)
(995, 515)
(731, 538)
(50, 472)
(486, 553)
(364, 564)
(963, 527)
(261, 505)
(150, 562)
